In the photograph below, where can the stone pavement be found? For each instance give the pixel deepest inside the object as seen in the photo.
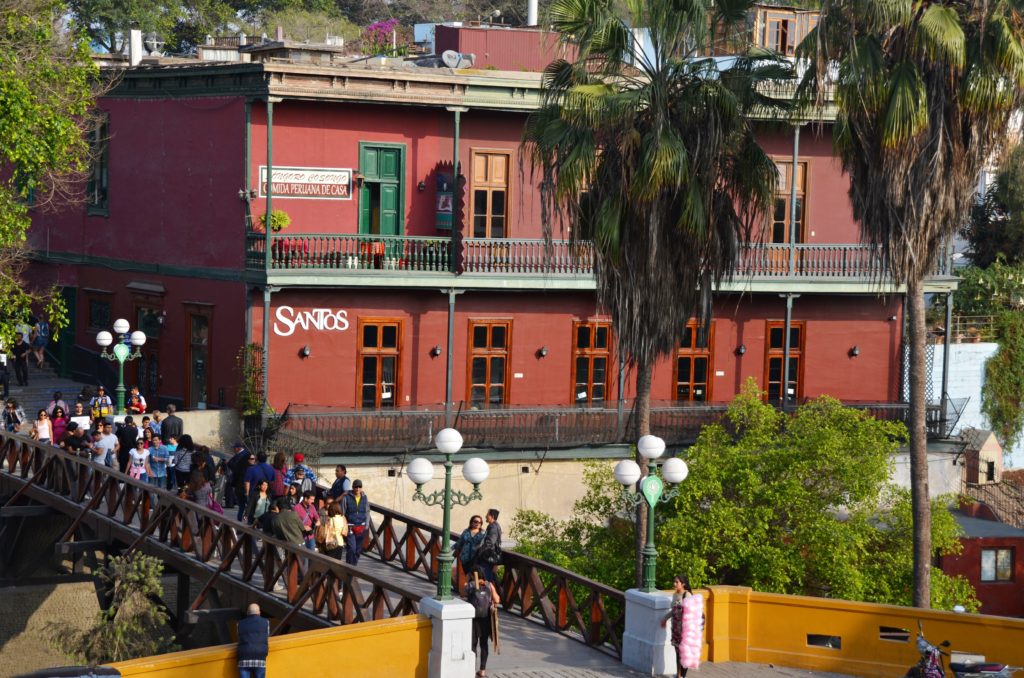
(529, 650)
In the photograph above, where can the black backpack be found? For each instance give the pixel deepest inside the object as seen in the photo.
(480, 598)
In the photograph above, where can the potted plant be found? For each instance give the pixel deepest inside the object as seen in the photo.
(279, 220)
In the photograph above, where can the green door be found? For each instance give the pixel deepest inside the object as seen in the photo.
(382, 193)
(66, 338)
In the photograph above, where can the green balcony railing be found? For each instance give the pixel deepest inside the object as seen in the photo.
(520, 256)
(354, 252)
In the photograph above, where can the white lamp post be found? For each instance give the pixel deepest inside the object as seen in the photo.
(420, 471)
(121, 352)
(652, 491)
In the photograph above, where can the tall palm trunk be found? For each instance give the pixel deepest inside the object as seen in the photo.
(919, 446)
(643, 427)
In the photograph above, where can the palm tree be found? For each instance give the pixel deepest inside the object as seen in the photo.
(649, 153)
(925, 91)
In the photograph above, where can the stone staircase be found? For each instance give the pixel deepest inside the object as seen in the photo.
(42, 382)
(1005, 499)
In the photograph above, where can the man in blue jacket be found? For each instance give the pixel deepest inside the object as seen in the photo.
(356, 507)
(253, 644)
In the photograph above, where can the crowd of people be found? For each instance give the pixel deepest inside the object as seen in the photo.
(30, 342)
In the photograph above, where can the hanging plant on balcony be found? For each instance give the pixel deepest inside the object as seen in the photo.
(279, 220)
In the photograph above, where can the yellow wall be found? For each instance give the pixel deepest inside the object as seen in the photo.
(746, 626)
(389, 647)
(552, 487)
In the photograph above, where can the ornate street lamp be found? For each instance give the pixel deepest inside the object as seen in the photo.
(420, 470)
(121, 352)
(652, 491)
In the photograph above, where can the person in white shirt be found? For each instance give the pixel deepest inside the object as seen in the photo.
(107, 446)
(42, 430)
(138, 466)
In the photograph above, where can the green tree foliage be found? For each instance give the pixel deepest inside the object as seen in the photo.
(924, 94)
(47, 87)
(991, 290)
(132, 626)
(1002, 396)
(790, 504)
(998, 291)
(996, 228)
(302, 24)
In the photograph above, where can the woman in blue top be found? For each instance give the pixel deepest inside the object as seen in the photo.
(468, 542)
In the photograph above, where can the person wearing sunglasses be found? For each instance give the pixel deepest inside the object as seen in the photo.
(469, 540)
(42, 429)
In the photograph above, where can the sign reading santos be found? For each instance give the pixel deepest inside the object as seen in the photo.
(287, 319)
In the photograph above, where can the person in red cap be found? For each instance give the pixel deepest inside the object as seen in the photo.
(289, 477)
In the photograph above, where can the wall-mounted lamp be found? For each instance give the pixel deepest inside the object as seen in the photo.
(359, 178)
(436, 351)
(542, 352)
(854, 352)
(422, 186)
(162, 317)
(305, 351)
(892, 317)
(245, 195)
(741, 349)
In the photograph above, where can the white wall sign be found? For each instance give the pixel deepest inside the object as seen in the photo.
(322, 319)
(310, 183)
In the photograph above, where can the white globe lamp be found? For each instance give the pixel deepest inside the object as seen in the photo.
(475, 470)
(138, 338)
(674, 470)
(104, 339)
(448, 441)
(420, 471)
(121, 326)
(650, 447)
(627, 472)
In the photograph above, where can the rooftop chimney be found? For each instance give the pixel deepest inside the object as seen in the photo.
(531, 13)
(279, 34)
(135, 52)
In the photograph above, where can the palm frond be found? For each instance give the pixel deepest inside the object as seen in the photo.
(907, 113)
(940, 37)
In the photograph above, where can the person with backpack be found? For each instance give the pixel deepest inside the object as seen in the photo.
(484, 598)
(278, 486)
(182, 460)
(100, 405)
(297, 466)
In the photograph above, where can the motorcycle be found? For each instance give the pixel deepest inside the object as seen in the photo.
(962, 664)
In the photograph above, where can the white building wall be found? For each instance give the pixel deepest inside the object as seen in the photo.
(966, 377)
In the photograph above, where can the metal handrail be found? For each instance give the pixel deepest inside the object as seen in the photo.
(535, 256)
(315, 587)
(345, 431)
(558, 599)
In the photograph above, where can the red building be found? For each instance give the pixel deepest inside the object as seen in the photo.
(359, 285)
(991, 561)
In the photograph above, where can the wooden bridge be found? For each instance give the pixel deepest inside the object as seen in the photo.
(235, 563)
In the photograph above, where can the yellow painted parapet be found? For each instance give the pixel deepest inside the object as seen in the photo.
(840, 636)
(389, 647)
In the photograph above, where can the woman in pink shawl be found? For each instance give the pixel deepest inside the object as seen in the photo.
(687, 615)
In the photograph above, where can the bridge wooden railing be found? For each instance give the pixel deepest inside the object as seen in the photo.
(562, 601)
(298, 585)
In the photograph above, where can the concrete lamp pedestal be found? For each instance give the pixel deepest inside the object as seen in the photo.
(646, 645)
(451, 646)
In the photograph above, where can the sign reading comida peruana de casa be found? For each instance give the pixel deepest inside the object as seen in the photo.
(316, 183)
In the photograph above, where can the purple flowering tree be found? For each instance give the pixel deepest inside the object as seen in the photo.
(377, 37)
